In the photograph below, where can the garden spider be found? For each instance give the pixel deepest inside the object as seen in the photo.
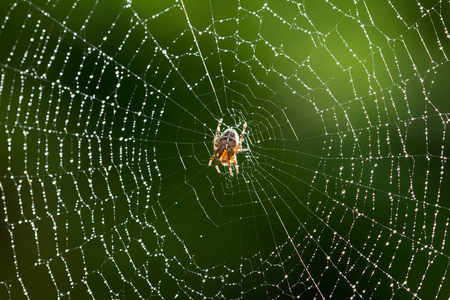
(226, 148)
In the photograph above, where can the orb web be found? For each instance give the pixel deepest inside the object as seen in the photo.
(108, 111)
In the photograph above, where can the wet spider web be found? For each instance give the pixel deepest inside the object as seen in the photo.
(108, 111)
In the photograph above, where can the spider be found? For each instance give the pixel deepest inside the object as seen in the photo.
(225, 148)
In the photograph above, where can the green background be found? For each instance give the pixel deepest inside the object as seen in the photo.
(108, 112)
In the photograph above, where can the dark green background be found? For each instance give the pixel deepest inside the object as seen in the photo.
(107, 119)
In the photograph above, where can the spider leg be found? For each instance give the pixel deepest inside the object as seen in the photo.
(217, 165)
(240, 150)
(216, 144)
(240, 139)
(242, 134)
(217, 133)
(236, 164)
(230, 162)
(212, 157)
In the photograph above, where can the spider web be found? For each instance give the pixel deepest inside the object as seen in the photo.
(108, 111)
